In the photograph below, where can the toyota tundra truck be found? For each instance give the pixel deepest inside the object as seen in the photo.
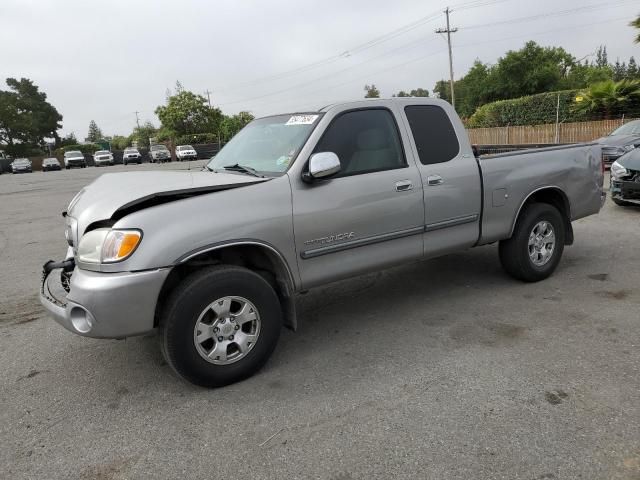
(213, 260)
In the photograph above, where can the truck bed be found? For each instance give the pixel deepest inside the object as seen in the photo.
(509, 178)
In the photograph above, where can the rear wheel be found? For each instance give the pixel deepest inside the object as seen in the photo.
(220, 325)
(534, 251)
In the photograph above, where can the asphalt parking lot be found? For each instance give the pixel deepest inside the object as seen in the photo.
(446, 369)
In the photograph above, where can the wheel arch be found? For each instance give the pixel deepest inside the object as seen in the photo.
(551, 195)
(255, 255)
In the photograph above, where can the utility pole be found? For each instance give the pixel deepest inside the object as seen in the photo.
(449, 31)
(208, 96)
(137, 119)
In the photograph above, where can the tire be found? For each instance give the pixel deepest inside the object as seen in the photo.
(124, 163)
(194, 300)
(621, 203)
(515, 255)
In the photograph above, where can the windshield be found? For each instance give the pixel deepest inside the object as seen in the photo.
(73, 154)
(21, 161)
(130, 150)
(631, 128)
(268, 144)
(158, 147)
(50, 160)
(185, 147)
(102, 152)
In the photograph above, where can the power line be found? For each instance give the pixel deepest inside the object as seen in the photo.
(449, 31)
(587, 8)
(324, 77)
(361, 47)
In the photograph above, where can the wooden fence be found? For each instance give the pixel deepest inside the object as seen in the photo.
(565, 133)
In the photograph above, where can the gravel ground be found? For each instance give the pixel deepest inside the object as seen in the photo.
(445, 369)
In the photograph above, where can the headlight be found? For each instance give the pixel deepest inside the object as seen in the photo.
(618, 171)
(104, 245)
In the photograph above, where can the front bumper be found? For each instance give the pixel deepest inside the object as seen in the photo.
(625, 191)
(104, 305)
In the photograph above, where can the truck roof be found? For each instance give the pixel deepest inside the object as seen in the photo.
(385, 102)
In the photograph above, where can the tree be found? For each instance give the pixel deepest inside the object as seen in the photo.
(609, 98)
(417, 92)
(636, 24)
(95, 133)
(69, 139)
(233, 124)
(142, 134)
(372, 91)
(187, 113)
(26, 118)
(602, 59)
(632, 70)
(619, 71)
(118, 142)
(443, 90)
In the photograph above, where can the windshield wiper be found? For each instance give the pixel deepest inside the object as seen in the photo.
(243, 168)
(208, 168)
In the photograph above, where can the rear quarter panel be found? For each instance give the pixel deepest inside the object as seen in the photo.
(510, 179)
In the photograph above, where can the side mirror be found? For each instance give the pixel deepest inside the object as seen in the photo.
(322, 165)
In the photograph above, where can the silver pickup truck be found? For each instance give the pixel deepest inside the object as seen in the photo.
(213, 260)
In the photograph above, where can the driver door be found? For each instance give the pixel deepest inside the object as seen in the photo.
(368, 216)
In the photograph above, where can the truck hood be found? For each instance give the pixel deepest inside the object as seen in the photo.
(115, 195)
(618, 140)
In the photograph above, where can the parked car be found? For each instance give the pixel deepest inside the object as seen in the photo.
(159, 153)
(131, 155)
(74, 159)
(620, 141)
(186, 152)
(212, 260)
(625, 179)
(21, 165)
(102, 157)
(51, 163)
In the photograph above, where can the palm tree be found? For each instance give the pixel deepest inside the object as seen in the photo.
(608, 98)
(636, 23)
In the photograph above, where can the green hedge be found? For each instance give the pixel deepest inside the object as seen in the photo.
(531, 110)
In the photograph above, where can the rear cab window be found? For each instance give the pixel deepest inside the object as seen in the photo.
(433, 133)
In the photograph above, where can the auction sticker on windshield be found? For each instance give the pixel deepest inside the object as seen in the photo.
(301, 120)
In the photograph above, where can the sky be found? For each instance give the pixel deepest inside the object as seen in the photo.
(105, 60)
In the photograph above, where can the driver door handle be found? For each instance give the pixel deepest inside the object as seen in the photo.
(433, 180)
(404, 185)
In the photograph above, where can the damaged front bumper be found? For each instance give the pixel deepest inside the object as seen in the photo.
(101, 305)
(626, 191)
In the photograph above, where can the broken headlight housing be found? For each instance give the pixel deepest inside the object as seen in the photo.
(618, 171)
(105, 245)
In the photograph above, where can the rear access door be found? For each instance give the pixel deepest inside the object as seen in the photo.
(450, 175)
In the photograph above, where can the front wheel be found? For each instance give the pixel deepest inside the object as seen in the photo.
(534, 251)
(220, 325)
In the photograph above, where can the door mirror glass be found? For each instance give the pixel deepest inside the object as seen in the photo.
(323, 165)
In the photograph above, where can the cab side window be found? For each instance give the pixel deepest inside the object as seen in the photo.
(433, 133)
(365, 141)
